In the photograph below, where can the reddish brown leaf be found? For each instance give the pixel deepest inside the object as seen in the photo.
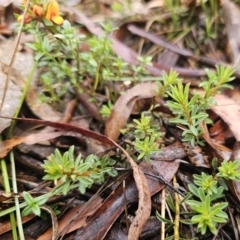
(7, 145)
(220, 132)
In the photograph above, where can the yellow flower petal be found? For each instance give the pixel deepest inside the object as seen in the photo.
(57, 20)
(52, 9)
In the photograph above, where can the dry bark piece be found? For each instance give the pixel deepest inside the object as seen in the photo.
(220, 132)
(169, 153)
(84, 98)
(196, 155)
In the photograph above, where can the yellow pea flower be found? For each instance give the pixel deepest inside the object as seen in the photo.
(37, 10)
(53, 13)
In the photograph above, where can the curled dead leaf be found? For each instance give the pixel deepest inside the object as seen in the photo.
(124, 105)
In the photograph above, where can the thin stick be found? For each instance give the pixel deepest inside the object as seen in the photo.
(177, 215)
(163, 208)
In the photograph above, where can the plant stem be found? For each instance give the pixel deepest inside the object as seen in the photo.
(16, 200)
(8, 190)
(24, 93)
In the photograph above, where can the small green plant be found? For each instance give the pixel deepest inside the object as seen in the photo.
(168, 80)
(146, 128)
(33, 205)
(206, 182)
(106, 109)
(229, 170)
(205, 198)
(140, 69)
(68, 172)
(208, 213)
(57, 51)
(76, 172)
(147, 135)
(190, 112)
(146, 147)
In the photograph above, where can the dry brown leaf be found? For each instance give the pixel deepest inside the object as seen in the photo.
(229, 111)
(11, 102)
(144, 203)
(232, 20)
(7, 145)
(124, 105)
(22, 66)
(40, 109)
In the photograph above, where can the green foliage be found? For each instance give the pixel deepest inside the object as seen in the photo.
(140, 69)
(66, 66)
(189, 113)
(206, 182)
(146, 128)
(208, 213)
(171, 6)
(147, 135)
(229, 170)
(33, 205)
(106, 109)
(205, 199)
(216, 81)
(76, 173)
(167, 81)
(146, 147)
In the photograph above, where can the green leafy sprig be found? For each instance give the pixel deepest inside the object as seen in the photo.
(77, 172)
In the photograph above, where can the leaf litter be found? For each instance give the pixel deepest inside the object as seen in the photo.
(100, 215)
